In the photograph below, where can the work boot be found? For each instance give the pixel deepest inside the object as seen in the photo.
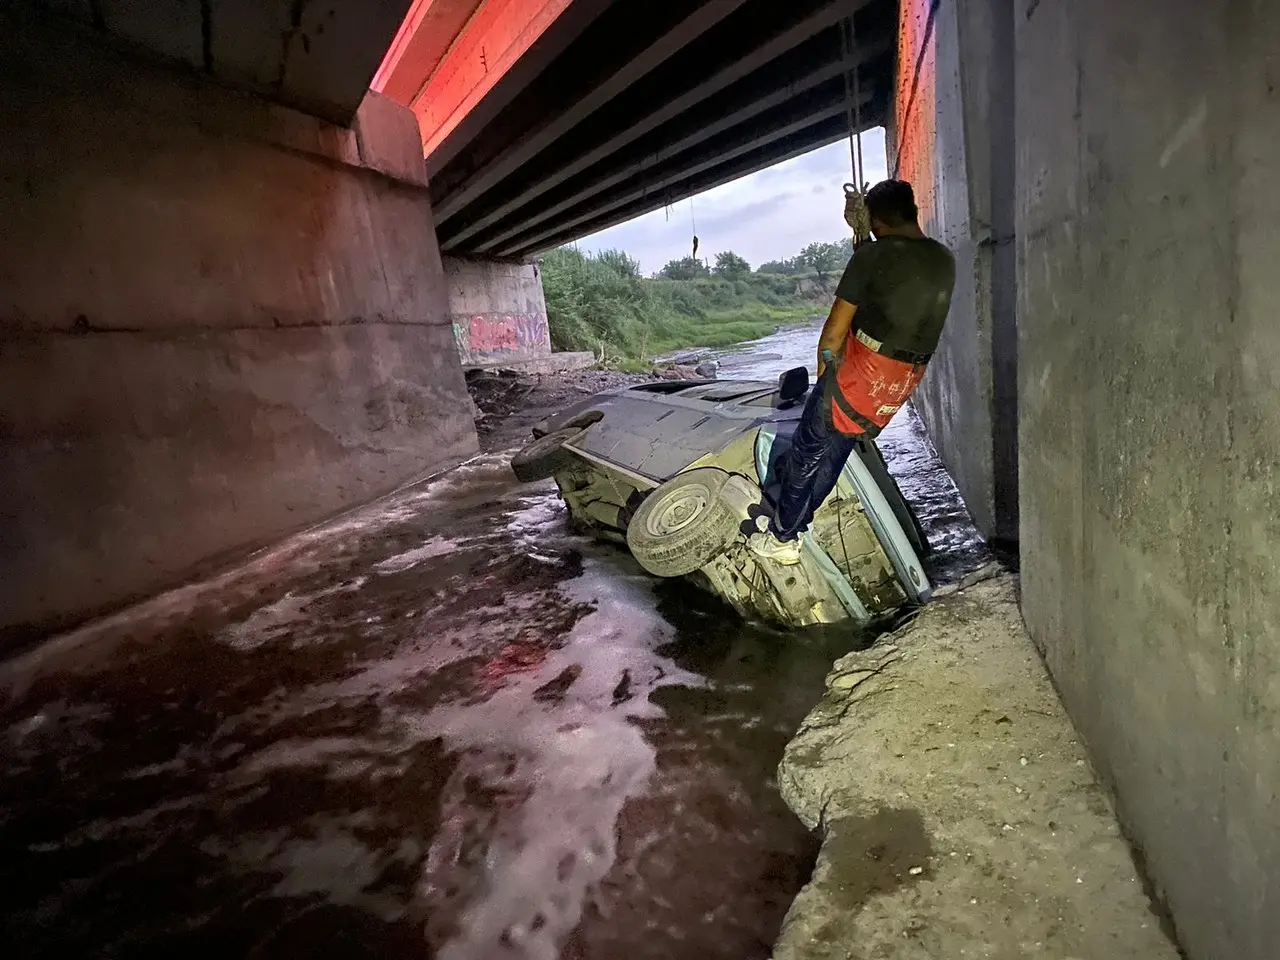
(768, 547)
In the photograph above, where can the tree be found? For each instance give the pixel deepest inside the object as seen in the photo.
(782, 267)
(824, 259)
(731, 266)
(687, 268)
(620, 263)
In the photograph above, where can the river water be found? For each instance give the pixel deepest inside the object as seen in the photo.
(438, 726)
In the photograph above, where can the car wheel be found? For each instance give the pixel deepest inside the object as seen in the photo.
(544, 457)
(580, 422)
(682, 524)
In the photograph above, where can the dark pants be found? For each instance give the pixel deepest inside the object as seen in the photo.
(810, 469)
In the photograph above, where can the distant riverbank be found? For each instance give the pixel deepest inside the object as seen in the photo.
(599, 302)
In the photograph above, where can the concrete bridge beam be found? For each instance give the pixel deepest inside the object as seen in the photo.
(616, 68)
(634, 88)
(741, 141)
(784, 61)
(760, 156)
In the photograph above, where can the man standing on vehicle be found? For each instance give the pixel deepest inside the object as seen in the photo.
(888, 314)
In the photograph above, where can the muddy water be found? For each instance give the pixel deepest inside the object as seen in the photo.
(436, 727)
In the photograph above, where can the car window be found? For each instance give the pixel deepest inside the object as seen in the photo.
(665, 386)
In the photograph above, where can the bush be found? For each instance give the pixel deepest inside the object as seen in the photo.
(729, 264)
(600, 302)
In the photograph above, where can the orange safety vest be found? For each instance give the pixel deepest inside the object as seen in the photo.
(870, 383)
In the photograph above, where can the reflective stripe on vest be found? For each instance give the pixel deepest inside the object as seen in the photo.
(870, 385)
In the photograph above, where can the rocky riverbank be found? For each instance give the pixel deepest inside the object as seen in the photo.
(959, 814)
(508, 403)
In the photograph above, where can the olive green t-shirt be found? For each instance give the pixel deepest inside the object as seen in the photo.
(902, 289)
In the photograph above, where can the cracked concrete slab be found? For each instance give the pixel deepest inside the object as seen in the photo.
(959, 813)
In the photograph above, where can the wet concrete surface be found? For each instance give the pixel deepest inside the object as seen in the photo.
(439, 726)
(960, 814)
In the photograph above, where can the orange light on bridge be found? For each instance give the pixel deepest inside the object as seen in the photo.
(449, 53)
(915, 127)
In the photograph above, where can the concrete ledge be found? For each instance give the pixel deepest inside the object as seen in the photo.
(388, 140)
(47, 59)
(555, 363)
(959, 813)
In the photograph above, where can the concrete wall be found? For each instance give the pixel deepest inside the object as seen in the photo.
(498, 311)
(1149, 344)
(314, 57)
(951, 136)
(219, 320)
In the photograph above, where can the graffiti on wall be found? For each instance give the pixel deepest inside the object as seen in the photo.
(484, 338)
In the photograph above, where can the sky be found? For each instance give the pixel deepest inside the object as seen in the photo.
(769, 215)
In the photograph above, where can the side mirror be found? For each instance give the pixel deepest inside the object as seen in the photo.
(792, 385)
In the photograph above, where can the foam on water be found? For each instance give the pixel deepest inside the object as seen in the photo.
(574, 759)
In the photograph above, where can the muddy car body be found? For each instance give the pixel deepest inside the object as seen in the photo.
(677, 470)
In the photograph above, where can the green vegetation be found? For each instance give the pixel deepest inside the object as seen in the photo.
(600, 302)
(820, 260)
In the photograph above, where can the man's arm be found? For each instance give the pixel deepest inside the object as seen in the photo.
(835, 331)
(849, 293)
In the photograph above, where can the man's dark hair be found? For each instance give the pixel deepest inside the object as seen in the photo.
(893, 203)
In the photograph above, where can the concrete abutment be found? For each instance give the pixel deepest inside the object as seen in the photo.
(1118, 228)
(952, 137)
(220, 320)
(497, 311)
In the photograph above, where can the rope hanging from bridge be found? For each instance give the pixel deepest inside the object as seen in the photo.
(694, 224)
(855, 207)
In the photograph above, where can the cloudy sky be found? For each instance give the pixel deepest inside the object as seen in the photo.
(768, 215)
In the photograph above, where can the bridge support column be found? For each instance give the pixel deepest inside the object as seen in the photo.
(498, 312)
(1148, 405)
(952, 137)
(220, 320)
(1149, 361)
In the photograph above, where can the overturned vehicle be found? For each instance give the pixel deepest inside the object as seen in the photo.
(682, 472)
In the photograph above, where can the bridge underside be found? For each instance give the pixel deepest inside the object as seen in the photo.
(316, 58)
(622, 107)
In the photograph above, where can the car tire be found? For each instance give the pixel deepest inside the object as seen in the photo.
(544, 457)
(580, 422)
(683, 524)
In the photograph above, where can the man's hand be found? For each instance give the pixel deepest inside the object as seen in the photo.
(856, 214)
(835, 331)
